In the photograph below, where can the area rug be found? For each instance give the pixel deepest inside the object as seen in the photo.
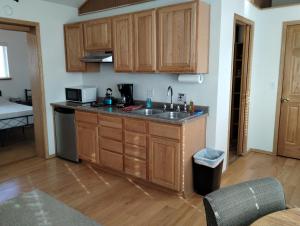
(36, 208)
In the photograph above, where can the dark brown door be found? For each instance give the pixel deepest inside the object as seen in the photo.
(289, 127)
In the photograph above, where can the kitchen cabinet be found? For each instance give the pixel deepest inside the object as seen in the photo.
(97, 35)
(171, 39)
(145, 41)
(136, 167)
(135, 139)
(157, 152)
(74, 50)
(111, 142)
(87, 136)
(74, 47)
(183, 38)
(111, 160)
(123, 43)
(164, 162)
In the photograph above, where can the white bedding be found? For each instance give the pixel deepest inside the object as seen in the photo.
(14, 115)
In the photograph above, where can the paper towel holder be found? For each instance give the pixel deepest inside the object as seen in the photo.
(191, 78)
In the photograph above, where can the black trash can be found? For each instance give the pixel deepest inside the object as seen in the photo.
(207, 170)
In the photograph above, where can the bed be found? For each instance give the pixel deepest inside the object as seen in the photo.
(14, 115)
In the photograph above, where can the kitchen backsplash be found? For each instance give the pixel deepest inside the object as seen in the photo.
(143, 84)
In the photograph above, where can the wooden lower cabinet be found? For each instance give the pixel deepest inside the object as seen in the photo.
(111, 160)
(160, 153)
(135, 167)
(87, 141)
(164, 162)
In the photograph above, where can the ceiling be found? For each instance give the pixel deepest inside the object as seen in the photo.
(284, 2)
(73, 3)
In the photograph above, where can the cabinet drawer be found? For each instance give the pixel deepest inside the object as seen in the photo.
(164, 130)
(135, 167)
(135, 125)
(111, 145)
(112, 133)
(111, 160)
(136, 151)
(109, 121)
(89, 117)
(135, 138)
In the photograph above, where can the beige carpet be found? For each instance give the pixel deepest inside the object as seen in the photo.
(36, 208)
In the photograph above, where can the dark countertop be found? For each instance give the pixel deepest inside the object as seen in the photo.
(120, 112)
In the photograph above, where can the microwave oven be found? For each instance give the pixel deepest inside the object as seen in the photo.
(81, 94)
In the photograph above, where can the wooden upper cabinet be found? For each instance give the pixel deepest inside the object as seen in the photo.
(97, 35)
(183, 38)
(123, 43)
(145, 41)
(74, 47)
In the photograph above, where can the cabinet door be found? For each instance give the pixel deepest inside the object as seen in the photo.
(164, 162)
(87, 141)
(177, 38)
(123, 42)
(74, 47)
(97, 35)
(145, 41)
(111, 160)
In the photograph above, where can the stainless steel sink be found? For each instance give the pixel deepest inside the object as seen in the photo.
(147, 111)
(173, 115)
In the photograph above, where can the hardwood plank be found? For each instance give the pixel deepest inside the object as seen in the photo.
(113, 200)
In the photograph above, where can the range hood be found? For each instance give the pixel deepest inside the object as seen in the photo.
(98, 57)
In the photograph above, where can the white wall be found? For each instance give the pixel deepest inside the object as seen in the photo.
(264, 84)
(245, 9)
(201, 94)
(18, 66)
(264, 74)
(51, 18)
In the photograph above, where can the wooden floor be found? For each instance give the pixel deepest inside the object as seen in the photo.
(113, 200)
(17, 146)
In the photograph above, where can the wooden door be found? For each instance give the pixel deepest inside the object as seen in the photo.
(87, 141)
(245, 91)
(123, 43)
(145, 41)
(97, 35)
(164, 162)
(177, 38)
(74, 47)
(289, 125)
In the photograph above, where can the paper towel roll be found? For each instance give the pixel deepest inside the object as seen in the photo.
(190, 78)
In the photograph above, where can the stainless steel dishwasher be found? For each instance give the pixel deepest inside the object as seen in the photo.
(65, 134)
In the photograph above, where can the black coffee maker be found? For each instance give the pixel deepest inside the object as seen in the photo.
(126, 91)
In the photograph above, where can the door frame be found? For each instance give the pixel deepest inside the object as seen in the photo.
(244, 21)
(280, 83)
(32, 30)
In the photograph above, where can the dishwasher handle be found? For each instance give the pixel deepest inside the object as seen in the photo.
(64, 110)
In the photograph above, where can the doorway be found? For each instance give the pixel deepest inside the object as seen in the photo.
(36, 92)
(289, 95)
(240, 90)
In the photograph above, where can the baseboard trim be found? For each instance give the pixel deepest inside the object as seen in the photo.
(51, 156)
(261, 151)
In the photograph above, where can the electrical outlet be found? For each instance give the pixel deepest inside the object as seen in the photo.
(181, 98)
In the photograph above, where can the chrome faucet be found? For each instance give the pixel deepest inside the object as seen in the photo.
(170, 93)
